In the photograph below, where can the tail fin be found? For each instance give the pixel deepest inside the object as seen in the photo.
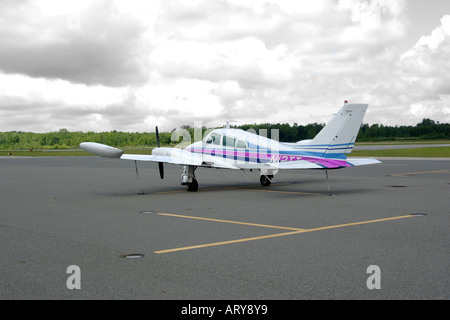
(339, 135)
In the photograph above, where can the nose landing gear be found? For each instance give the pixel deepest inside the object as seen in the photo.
(188, 178)
(193, 186)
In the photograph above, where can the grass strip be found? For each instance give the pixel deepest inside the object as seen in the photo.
(432, 152)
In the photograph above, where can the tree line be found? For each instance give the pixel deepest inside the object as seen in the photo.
(427, 129)
(64, 139)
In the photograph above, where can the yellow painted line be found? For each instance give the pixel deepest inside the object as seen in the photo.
(273, 235)
(424, 172)
(172, 191)
(273, 185)
(249, 188)
(291, 192)
(359, 223)
(228, 242)
(216, 188)
(240, 187)
(228, 221)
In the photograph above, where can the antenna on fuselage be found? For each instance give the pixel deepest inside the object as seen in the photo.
(228, 123)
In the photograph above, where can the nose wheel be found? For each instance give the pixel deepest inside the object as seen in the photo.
(192, 186)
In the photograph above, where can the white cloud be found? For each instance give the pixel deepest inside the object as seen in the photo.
(104, 65)
(57, 90)
(57, 7)
(424, 74)
(246, 60)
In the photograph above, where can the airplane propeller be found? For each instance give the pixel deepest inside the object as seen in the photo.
(160, 164)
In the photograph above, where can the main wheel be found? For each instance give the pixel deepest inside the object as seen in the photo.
(193, 186)
(265, 180)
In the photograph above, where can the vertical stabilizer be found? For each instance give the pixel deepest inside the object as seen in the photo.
(339, 135)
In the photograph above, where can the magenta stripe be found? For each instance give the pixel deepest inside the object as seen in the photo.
(328, 163)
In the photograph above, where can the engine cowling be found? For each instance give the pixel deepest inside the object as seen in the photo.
(101, 150)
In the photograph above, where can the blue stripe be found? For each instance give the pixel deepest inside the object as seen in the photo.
(337, 156)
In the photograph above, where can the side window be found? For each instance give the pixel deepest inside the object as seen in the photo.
(228, 142)
(241, 144)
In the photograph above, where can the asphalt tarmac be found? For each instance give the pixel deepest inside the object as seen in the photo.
(233, 239)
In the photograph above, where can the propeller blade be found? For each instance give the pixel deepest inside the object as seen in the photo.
(161, 170)
(157, 136)
(160, 164)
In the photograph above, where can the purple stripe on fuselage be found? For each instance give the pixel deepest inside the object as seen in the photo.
(270, 157)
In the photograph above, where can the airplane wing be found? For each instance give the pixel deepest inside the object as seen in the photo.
(171, 156)
(186, 158)
(310, 163)
(183, 157)
(161, 155)
(323, 163)
(301, 164)
(165, 159)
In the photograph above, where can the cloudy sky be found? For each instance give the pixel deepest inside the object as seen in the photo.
(129, 65)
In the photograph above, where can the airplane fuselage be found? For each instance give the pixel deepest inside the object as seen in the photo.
(240, 148)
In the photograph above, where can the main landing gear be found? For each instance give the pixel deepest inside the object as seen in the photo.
(188, 179)
(266, 180)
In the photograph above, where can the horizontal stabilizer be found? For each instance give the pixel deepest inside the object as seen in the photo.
(362, 161)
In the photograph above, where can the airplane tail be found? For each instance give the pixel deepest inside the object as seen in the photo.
(339, 135)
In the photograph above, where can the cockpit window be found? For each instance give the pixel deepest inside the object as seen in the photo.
(214, 138)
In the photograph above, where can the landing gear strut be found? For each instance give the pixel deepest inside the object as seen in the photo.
(188, 178)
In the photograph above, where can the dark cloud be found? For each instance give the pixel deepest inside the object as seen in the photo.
(96, 46)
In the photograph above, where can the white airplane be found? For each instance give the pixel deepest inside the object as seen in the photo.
(241, 150)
